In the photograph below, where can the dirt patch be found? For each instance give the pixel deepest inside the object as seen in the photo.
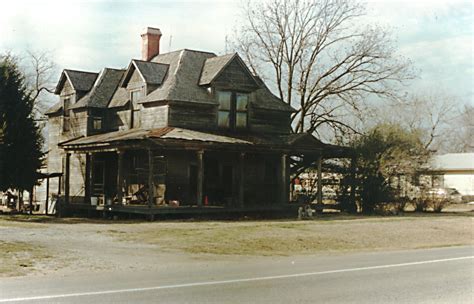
(19, 258)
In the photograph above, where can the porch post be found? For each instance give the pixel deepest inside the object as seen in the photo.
(120, 176)
(151, 184)
(47, 196)
(283, 180)
(31, 199)
(320, 179)
(241, 179)
(353, 183)
(87, 186)
(200, 177)
(67, 178)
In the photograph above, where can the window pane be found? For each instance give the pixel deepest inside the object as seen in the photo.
(97, 123)
(241, 120)
(223, 119)
(242, 102)
(224, 100)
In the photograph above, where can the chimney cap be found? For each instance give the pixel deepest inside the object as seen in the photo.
(151, 31)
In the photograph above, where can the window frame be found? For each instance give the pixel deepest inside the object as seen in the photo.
(233, 111)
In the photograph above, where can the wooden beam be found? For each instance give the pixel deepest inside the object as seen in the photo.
(151, 184)
(200, 177)
(284, 180)
(120, 155)
(31, 199)
(241, 179)
(87, 184)
(67, 178)
(47, 196)
(320, 180)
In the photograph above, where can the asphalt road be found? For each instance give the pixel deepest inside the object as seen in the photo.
(444, 275)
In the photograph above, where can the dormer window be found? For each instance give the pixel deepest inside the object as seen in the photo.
(233, 108)
(97, 123)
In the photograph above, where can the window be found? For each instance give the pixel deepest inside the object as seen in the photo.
(232, 110)
(223, 120)
(134, 96)
(97, 123)
(66, 105)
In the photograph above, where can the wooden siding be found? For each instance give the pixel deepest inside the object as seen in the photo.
(193, 116)
(154, 116)
(267, 121)
(136, 82)
(235, 77)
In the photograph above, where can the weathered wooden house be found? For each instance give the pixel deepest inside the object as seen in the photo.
(176, 132)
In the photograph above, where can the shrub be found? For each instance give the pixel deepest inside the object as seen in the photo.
(420, 204)
(437, 204)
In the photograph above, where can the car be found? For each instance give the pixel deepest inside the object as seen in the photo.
(450, 194)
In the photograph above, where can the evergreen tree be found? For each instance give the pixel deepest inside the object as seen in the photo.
(20, 138)
(384, 152)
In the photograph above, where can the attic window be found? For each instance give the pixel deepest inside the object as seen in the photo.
(232, 110)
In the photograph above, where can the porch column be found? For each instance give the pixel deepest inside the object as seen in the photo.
(87, 183)
(320, 179)
(353, 183)
(31, 199)
(241, 179)
(284, 181)
(67, 178)
(151, 184)
(119, 176)
(47, 196)
(200, 177)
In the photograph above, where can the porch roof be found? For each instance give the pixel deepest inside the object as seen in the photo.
(171, 137)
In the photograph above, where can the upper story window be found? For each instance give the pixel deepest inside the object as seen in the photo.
(97, 123)
(66, 105)
(233, 109)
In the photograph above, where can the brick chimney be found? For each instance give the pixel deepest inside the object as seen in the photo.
(150, 43)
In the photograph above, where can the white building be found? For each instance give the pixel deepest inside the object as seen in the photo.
(457, 171)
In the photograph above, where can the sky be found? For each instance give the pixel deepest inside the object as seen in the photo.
(437, 36)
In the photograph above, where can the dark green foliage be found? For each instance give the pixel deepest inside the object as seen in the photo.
(21, 141)
(385, 151)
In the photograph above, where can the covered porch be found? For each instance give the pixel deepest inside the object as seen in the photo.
(172, 170)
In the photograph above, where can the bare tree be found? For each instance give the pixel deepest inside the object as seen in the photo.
(39, 70)
(461, 133)
(319, 59)
(429, 114)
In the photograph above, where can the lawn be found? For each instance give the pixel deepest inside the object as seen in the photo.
(268, 238)
(36, 244)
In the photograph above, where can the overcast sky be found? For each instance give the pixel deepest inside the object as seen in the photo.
(89, 35)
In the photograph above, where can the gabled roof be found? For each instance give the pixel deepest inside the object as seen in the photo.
(55, 108)
(80, 80)
(151, 72)
(102, 91)
(180, 77)
(213, 67)
(120, 98)
(181, 83)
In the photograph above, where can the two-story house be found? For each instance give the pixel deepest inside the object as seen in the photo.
(180, 131)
